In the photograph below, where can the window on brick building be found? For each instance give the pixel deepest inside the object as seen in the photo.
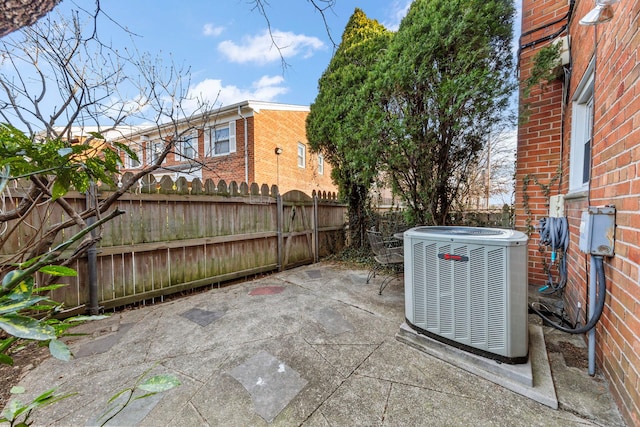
(130, 162)
(582, 133)
(221, 140)
(302, 155)
(154, 150)
(187, 147)
(320, 164)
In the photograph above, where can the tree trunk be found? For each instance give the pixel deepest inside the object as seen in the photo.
(16, 14)
(358, 215)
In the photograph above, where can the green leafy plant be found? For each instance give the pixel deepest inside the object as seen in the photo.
(144, 387)
(72, 163)
(16, 409)
(27, 315)
(545, 66)
(18, 414)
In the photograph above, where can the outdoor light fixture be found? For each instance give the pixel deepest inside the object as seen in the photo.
(603, 12)
(278, 150)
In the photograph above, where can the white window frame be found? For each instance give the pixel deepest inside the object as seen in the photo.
(154, 149)
(320, 164)
(302, 155)
(130, 162)
(210, 139)
(582, 133)
(187, 147)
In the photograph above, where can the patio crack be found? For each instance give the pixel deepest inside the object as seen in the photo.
(288, 282)
(386, 403)
(432, 389)
(341, 382)
(154, 331)
(197, 411)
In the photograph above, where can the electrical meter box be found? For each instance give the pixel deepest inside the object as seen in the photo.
(597, 230)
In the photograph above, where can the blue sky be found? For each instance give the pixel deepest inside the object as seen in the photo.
(227, 46)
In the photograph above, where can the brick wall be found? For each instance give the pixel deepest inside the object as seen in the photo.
(539, 136)
(285, 129)
(265, 130)
(615, 180)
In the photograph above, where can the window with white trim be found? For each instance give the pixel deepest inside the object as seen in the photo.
(131, 162)
(154, 150)
(320, 164)
(221, 140)
(581, 133)
(302, 155)
(187, 147)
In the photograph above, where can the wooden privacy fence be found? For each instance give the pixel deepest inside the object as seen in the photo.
(498, 218)
(176, 236)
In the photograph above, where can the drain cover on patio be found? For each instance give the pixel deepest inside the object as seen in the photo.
(202, 317)
(332, 321)
(271, 383)
(104, 344)
(314, 274)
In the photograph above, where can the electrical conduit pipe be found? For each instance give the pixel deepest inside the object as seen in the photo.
(597, 295)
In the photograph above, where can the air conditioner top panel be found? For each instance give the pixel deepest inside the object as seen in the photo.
(473, 235)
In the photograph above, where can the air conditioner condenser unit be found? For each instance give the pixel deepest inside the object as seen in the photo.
(467, 287)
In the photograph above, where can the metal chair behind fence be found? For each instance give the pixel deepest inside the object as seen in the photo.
(387, 257)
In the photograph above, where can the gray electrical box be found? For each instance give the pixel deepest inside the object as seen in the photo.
(597, 230)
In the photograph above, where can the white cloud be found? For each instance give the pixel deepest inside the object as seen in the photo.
(211, 30)
(267, 88)
(399, 9)
(264, 48)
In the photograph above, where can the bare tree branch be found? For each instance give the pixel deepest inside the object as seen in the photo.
(321, 6)
(97, 85)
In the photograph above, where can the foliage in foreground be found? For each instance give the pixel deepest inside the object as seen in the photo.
(144, 387)
(25, 314)
(16, 409)
(18, 414)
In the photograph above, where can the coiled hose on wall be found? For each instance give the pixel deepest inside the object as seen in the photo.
(554, 232)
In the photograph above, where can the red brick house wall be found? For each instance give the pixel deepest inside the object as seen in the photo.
(539, 135)
(229, 167)
(268, 125)
(614, 180)
(286, 130)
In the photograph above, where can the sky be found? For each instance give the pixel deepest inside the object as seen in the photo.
(227, 46)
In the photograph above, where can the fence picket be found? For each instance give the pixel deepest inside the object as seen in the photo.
(175, 237)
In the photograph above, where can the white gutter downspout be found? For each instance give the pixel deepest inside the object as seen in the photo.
(246, 146)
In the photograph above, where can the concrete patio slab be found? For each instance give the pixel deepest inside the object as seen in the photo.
(270, 382)
(325, 324)
(532, 379)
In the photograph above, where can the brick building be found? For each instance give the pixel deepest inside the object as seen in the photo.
(580, 147)
(250, 141)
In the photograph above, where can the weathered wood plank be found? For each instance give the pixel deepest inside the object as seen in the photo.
(167, 243)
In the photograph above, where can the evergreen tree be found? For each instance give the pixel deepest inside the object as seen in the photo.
(443, 84)
(335, 123)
